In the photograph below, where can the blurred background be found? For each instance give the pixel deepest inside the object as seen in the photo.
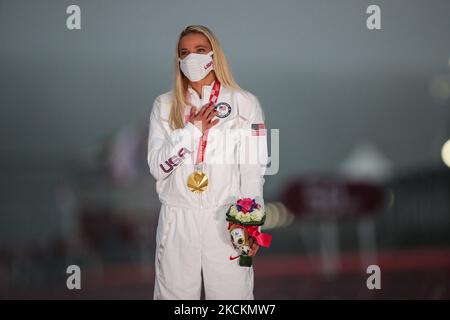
(363, 118)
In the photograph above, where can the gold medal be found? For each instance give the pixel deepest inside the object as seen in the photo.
(197, 182)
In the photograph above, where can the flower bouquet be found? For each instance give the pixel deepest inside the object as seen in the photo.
(245, 217)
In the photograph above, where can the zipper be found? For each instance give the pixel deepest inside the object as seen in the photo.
(202, 168)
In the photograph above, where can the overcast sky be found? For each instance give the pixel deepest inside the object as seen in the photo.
(323, 79)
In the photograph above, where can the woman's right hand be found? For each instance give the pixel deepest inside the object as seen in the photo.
(202, 119)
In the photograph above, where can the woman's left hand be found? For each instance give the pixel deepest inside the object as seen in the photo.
(254, 246)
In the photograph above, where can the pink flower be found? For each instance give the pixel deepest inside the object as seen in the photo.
(246, 205)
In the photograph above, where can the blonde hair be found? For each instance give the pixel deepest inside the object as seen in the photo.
(180, 87)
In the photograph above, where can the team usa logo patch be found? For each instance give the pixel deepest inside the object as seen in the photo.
(258, 129)
(224, 109)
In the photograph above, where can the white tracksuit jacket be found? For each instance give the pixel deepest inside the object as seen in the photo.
(192, 237)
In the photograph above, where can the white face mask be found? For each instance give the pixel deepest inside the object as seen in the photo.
(196, 66)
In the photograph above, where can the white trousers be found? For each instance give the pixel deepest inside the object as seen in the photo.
(192, 242)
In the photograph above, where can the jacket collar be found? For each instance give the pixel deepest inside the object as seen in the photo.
(206, 89)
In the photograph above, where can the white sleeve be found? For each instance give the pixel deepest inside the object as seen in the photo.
(168, 150)
(253, 154)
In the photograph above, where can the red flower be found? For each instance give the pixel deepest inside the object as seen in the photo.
(246, 204)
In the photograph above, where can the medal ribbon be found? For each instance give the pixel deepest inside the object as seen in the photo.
(204, 139)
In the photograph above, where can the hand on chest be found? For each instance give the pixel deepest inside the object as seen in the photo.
(222, 138)
(226, 114)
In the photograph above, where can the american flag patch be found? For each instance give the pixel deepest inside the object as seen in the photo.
(258, 129)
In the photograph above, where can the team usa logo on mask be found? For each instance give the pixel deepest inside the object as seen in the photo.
(223, 109)
(174, 161)
(196, 66)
